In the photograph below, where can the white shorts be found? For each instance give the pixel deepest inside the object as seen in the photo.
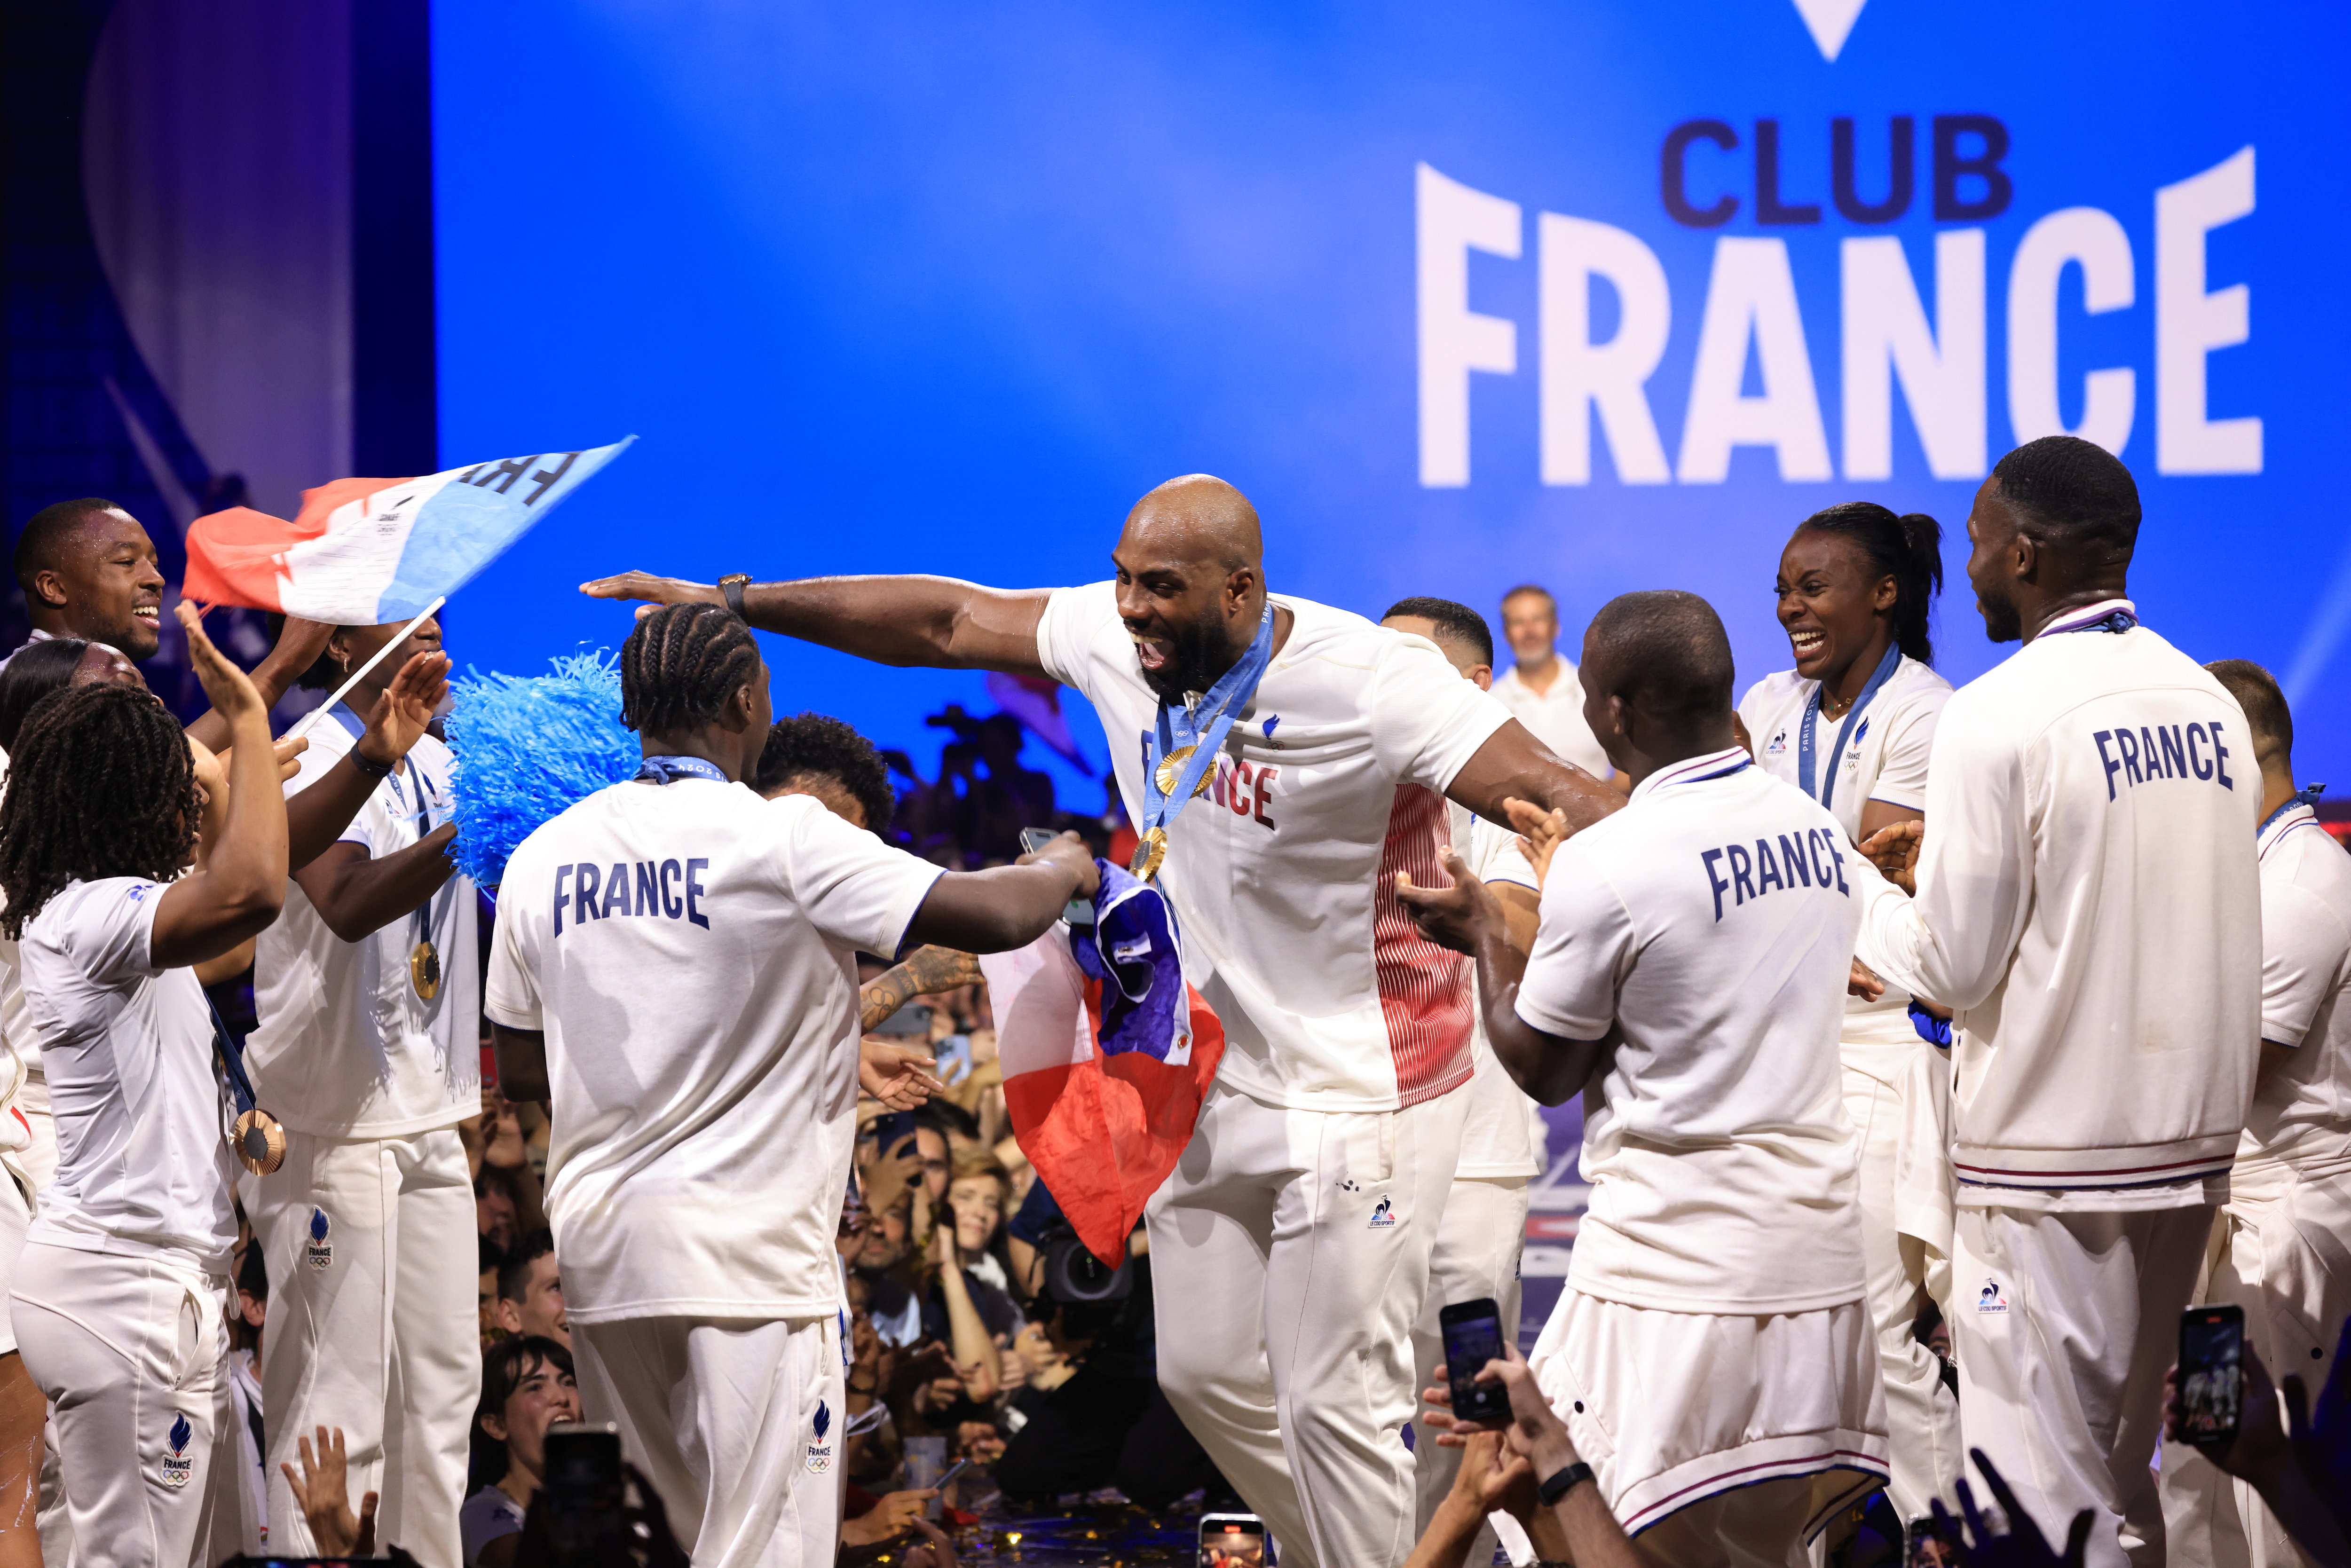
(1672, 1408)
(16, 1216)
(738, 1425)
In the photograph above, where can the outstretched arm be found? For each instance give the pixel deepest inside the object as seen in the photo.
(299, 643)
(1513, 763)
(933, 623)
(1467, 919)
(1005, 906)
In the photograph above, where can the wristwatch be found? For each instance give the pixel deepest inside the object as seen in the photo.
(379, 772)
(1563, 1481)
(732, 585)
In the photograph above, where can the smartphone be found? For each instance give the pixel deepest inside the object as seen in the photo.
(1928, 1546)
(2211, 1374)
(912, 1019)
(1232, 1541)
(587, 1493)
(953, 1470)
(1473, 1336)
(1081, 911)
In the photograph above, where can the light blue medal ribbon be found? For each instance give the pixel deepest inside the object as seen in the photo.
(2305, 796)
(1805, 762)
(1184, 743)
(670, 769)
(423, 955)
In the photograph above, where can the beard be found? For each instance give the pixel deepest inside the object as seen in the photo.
(1199, 654)
(2002, 623)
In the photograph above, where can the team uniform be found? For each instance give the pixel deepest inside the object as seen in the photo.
(369, 1228)
(1555, 716)
(2088, 904)
(1711, 1354)
(689, 950)
(1302, 1218)
(1897, 1092)
(117, 1296)
(2281, 1247)
(1485, 1224)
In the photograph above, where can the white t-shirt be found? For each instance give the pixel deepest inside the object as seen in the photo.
(690, 951)
(2088, 902)
(346, 1047)
(2302, 1115)
(1887, 744)
(1711, 920)
(19, 1038)
(1282, 875)
(142, 1167)
(1555, 716)
(1503, 1135)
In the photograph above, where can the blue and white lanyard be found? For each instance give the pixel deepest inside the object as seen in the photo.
(1805, 764)
(1203, 728)
(2115, 620)
(670, 769)
(2307, 796)
(429, 912)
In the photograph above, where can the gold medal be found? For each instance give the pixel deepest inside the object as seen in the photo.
(1149, 853)
(258, 1141)
(1171, 771)
(424, 971)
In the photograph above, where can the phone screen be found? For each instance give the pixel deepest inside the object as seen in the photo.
(2211, 1373)
(1473, 1336)
(1232, 1541)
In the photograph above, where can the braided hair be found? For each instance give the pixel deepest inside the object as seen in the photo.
(681, 664)
(1908, 548)
(100, 784)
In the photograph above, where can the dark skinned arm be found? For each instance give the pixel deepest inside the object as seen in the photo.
(358, 894)
(317, 816)
(1513, 763)
(930, 622)
(925, 972)
(522, 1062)
(1005, 906)
(299, 643)
(240, 884)
(1468, 918)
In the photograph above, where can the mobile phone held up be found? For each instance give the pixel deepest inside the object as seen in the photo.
(1473, 1336)
(1081, 911)
(1232, 1541)
(2211, 1374)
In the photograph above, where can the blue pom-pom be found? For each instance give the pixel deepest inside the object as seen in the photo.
(530, 747)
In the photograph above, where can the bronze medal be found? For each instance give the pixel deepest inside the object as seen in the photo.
(258, 1141)
(424, 971)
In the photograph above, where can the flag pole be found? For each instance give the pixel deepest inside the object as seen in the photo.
(302, 726)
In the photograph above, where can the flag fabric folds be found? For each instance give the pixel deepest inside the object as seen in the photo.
(365, 552)
(1106, 1053)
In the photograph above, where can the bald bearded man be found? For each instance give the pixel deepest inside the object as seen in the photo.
(1308, 754)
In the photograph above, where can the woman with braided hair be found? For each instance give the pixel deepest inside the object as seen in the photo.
(117, 1294)
(1852, 726)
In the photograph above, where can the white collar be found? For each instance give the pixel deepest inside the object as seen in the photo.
(1695, 770)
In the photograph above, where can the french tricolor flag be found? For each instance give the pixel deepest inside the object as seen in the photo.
(367, 552)
(1106, 1055)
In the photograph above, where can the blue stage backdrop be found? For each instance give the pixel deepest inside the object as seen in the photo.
(1602, 296)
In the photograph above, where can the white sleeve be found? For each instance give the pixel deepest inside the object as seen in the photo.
(858, 891)
(108, 931)
(2303, 949)
(511, 992)
(1902, 776)
(1583, 950)
(1498, 857)
(1070, 633)
(1427, 721)
(1953, 942)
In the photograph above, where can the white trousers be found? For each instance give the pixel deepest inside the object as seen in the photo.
(1477, 1255)
(133, 1355)
(2063, 1324)
(2280, 1250)
(374, 1327)
(1289, 1254)
(1922, 1413)
(737, 1424)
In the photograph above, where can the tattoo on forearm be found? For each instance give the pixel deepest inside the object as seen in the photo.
(925, 972)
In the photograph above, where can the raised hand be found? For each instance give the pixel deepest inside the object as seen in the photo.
(897, 1075)
(1455, 916)
(1540, 834)
(1894, 851)
(655, 592)
(322, 1491)
(231, 690)
(405, 709)
(1070, 852)
(2023, 1546)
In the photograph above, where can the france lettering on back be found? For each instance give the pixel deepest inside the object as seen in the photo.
(664, 889)
(1775, 862)
(2156, 753)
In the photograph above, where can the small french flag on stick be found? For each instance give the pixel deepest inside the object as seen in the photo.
(366, 552)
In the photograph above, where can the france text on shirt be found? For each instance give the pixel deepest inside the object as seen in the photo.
(667, 889)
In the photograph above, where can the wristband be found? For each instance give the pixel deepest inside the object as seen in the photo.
(1562, 1482)
(379, 772)
(732, 585)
